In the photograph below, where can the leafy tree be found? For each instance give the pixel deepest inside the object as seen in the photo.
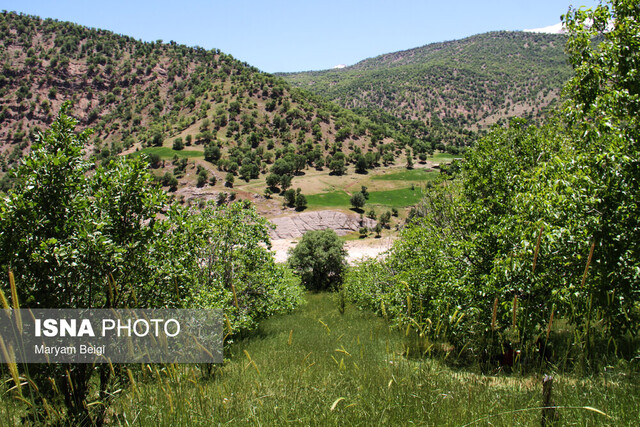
(602, 110)
(212, 153)
(361, 165)
(358, 200)
(282, 167)
(365, 192)
(285, 182)
(272, 180)
(178, 144)
(65, 231)
(170, 180)
(385, 218)
(301, 202)
(541, 221)
(154, 160)
(229, 179)
(290, 197)
(203, 175)
(319, 259)
(337, 167)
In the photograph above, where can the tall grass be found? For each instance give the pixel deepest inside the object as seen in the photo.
(320, 367)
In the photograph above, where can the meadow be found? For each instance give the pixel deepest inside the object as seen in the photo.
(318, 366)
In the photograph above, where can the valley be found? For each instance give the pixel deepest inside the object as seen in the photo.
(442, 235)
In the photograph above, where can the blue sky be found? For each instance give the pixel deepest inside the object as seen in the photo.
(299, 35)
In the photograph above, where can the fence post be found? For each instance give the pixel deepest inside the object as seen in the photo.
(549, 414)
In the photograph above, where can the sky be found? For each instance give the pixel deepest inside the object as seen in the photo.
(301, 35)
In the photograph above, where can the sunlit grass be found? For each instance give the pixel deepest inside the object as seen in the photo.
(334, 199)
(320, 367)
(408, 175)
(401, 197)
(168, 153)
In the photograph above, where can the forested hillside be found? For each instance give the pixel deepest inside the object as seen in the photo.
(136, 94)
(453, 86)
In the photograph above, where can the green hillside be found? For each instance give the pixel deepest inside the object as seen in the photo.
(138, 95)
(453, 86)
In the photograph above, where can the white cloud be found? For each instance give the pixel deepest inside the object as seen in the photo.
(551, 29)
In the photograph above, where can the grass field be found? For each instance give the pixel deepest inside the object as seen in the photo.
(168, 153)
(420, 175)
(443, 157)
(399, 198)
(334, 199)
(402, 197)
(319, 367)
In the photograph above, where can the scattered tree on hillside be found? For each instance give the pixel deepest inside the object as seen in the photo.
(358, 201)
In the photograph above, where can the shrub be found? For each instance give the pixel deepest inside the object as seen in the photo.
(320, 260)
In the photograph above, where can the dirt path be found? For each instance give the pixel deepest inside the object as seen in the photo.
(356, 249)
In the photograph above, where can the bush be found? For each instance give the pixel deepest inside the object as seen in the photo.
(320, 260)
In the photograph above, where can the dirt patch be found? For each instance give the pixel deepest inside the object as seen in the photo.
(357, 250)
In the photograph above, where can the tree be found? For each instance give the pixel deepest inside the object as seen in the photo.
(65, 231)
(365, 192)
(272, 180)
(282, 167)
(357, 201)
(285, 182)
(320, 260)
(228, 180)
(361, 165)
(409, 161)
(203, 175)
(110, 239)
(602, 111)
(290, 197)
(301, 202)
(178, 144)
(337, 166)
(170, 181)
(212, 153)
(385, 218)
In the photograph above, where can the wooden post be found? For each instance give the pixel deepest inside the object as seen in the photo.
(549, 414)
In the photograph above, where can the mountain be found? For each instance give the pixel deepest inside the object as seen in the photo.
(453, 86)
(139, 95)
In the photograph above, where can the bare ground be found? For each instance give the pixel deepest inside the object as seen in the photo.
(357, 250)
